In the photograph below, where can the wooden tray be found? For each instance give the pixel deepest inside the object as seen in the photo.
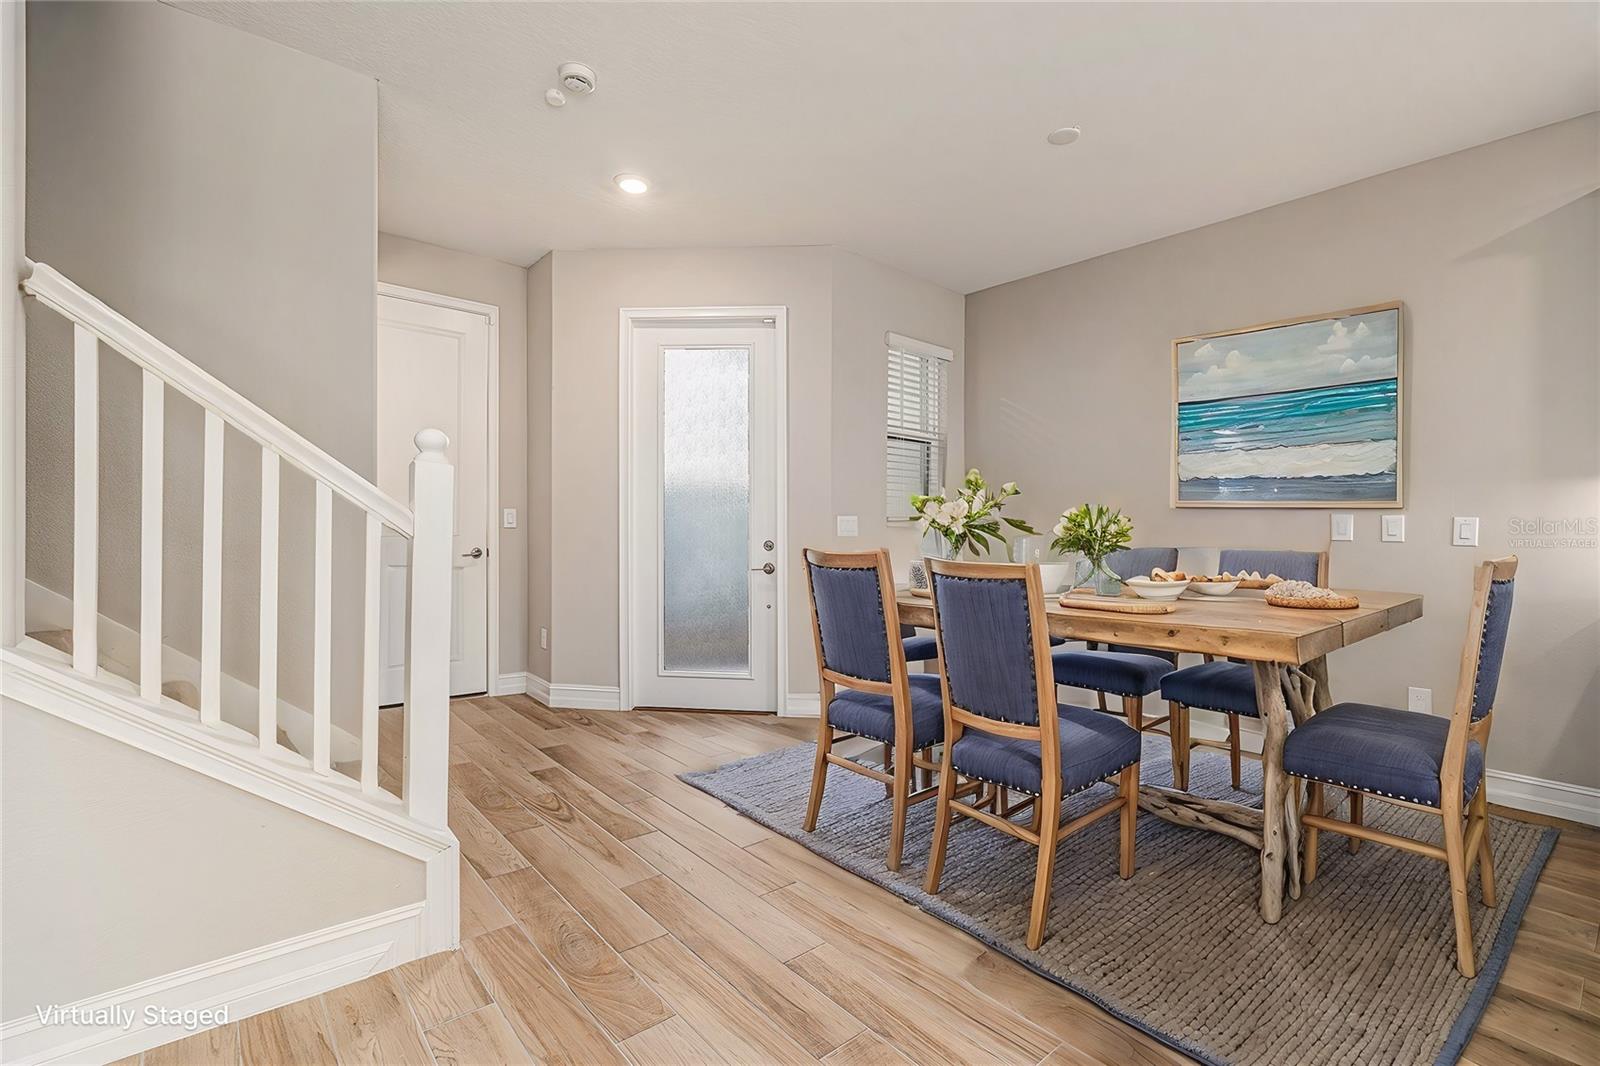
(1118, 605)
(1338, 603)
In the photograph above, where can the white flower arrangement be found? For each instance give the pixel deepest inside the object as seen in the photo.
(972, 519)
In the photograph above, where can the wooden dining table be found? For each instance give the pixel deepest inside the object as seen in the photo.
(1287, 650)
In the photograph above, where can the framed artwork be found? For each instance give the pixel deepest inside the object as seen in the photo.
(1305, 412)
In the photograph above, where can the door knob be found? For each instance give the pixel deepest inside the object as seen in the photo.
(475, 553)
(765, 568)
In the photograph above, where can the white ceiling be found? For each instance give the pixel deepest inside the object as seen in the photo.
(914, 133)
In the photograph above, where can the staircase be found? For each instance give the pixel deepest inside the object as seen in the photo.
(142, 692)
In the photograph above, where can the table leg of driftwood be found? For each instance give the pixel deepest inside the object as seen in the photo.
(1282, 692)
(1275, 787)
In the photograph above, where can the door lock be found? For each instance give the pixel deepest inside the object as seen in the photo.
(475, 553)
(765, 568)
(767, 545)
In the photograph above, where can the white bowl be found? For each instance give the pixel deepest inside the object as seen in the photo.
(1053, 575)
(1156, 590)
(1213, 588)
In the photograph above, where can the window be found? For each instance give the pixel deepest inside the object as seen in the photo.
(919, 377)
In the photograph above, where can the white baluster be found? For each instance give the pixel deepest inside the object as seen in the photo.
(86, 501)
(427, 723)
(322, 627)
(369, 659)
(211, 575)
(150, 484)
(267, 683)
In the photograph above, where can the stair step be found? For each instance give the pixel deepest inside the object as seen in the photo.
(183, 692)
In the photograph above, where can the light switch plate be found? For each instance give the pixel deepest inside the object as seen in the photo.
(508, 518)
(1343, 527)
(1394, 527)
(1464, 532)
(544, 638)
(848, 525)
(1419, 700)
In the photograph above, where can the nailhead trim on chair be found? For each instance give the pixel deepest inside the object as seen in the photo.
(1028, 792)
(887, 669)
(1378, 792)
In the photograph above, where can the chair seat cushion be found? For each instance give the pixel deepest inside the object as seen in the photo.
(1119, 672)
(921, 648)
(870, 715)
(1218, 686)
(1093, 747)
(1381, 750)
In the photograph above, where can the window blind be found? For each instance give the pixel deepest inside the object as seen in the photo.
(918, 381)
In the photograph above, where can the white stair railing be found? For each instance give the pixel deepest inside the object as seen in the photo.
(427, 523)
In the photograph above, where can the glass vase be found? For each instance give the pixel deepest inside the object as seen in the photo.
(933, 547)
(1094, 574)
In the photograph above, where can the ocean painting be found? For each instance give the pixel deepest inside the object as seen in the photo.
(1303, 414)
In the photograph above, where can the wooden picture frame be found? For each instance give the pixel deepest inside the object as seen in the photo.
(1299, 388)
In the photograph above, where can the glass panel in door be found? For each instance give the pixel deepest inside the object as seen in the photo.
(705, 511)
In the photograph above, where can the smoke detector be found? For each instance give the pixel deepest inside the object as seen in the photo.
(576, 78)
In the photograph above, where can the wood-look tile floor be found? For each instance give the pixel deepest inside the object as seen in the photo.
(612, 914)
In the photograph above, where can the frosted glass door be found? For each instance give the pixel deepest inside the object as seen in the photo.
(705, 510)
(703, 566)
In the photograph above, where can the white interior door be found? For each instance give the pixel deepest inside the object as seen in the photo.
(433, 370)
(703, 569)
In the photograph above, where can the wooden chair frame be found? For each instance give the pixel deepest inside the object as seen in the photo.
(1178, 724)
(1466, 831)
(900, 760)
(1043, 833)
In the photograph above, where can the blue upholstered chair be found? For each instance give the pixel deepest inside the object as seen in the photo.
(1418, 761)
(918, 647)
(866, 689)
(1228, 687)
(1129, 672)
(1003, 726)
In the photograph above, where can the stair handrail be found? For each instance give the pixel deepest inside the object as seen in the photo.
(59, 292)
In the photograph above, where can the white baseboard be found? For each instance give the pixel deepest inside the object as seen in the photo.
(516, 684)
(584, 697)
(801, 705)
(538, 688)
(1576, 803)
(244, 984)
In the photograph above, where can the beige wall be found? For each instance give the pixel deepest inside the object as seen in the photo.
(1494, 252)
(450, 273)
(129, 867)
(540, 441)
(839, 308)
(870, 300)
(219, 190)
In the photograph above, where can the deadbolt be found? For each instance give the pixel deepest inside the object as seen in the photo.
(767, 544)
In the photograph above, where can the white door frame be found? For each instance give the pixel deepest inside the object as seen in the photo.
(629, 319)
(492, 496)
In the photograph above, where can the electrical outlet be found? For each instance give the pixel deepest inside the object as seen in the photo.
(508, 518)
(1344, 527)
(544, 638)
(848, 525)
(1394, 527)
(1464, 532)
(1419, 700)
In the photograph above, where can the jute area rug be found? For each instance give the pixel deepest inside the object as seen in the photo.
(1361, 969)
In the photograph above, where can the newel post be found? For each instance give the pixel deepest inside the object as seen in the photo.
(427, 720)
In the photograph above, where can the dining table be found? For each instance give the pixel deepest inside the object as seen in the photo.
(1287, 649)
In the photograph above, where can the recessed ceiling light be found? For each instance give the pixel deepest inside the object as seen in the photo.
(631, 183)
(1064, 135)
